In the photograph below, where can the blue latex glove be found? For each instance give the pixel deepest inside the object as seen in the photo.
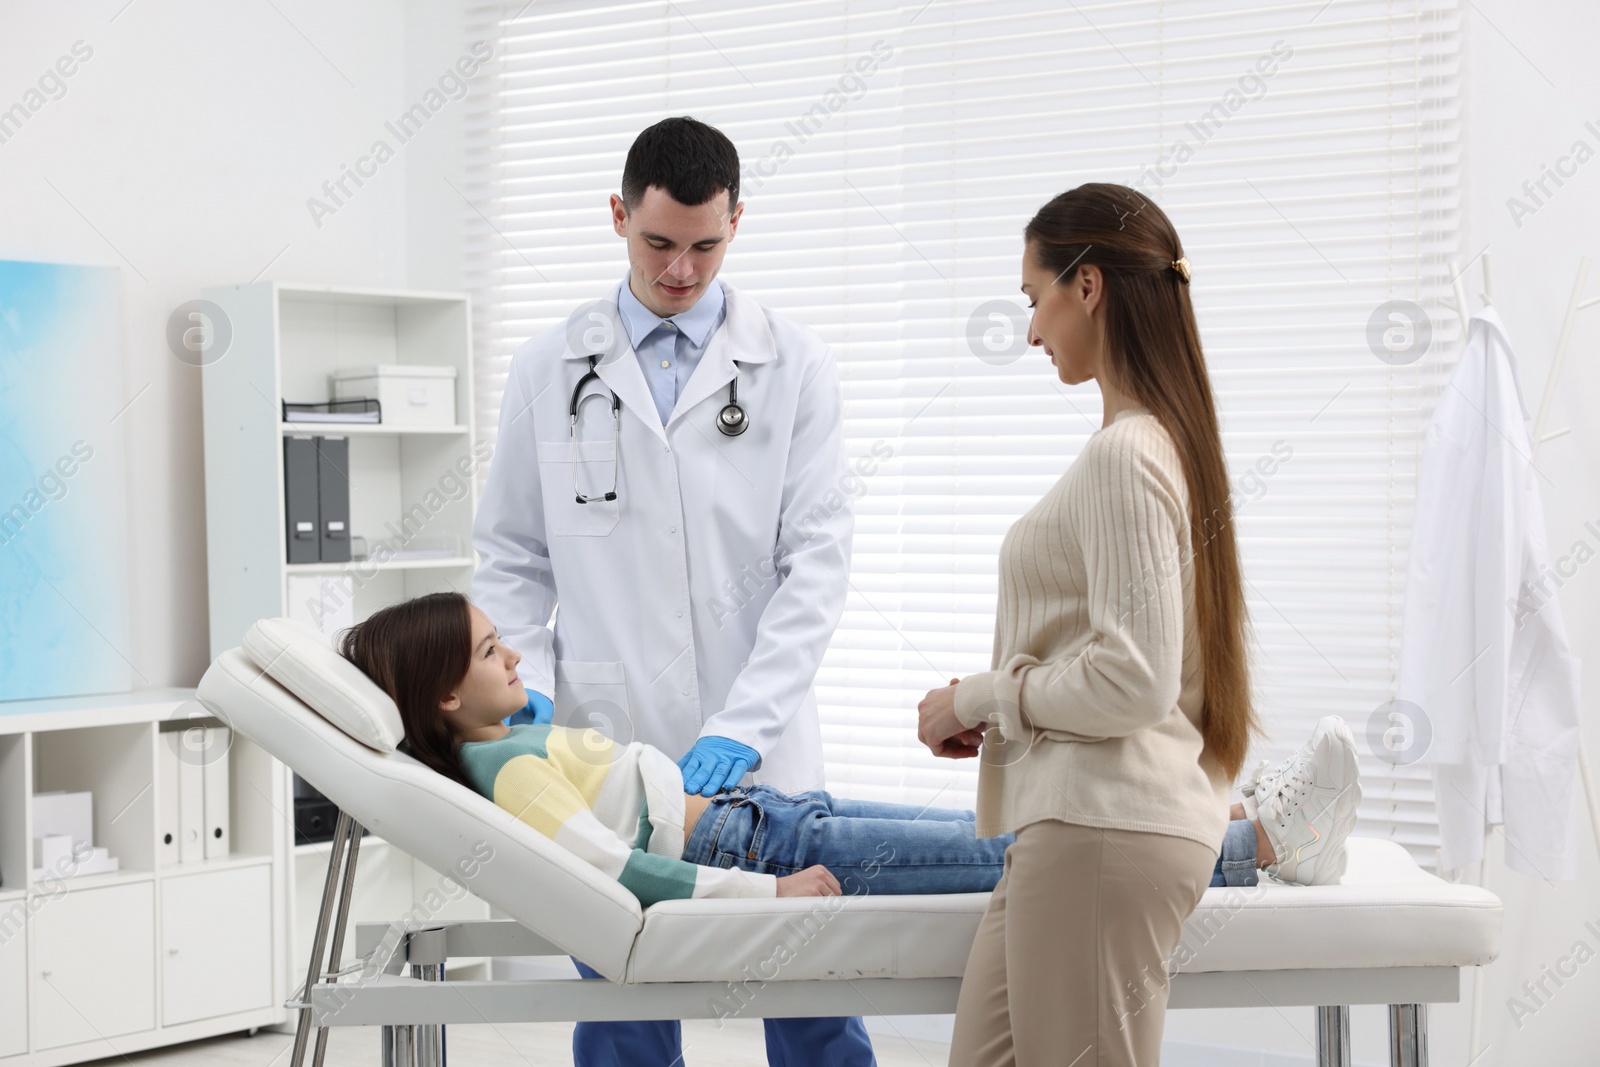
(539, 710)
(715, 764)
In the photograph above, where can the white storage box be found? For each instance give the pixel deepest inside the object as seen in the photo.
(69, 815)
(409, 395)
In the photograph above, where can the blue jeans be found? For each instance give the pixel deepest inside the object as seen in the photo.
(869, 846)
(882, 848)
(1236, 863)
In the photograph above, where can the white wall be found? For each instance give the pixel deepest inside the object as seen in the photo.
(436, 161)
(184, 150)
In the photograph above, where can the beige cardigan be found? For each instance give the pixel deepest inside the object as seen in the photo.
(1096, 683)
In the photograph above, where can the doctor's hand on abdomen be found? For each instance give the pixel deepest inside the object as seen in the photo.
(716, 763)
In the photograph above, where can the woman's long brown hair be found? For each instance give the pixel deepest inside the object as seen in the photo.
(418, 651)
(1153, 355)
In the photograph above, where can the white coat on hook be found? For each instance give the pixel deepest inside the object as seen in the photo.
(1484, 652)
(701, 598)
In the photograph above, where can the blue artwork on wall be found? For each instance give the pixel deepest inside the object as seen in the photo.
(63, 521)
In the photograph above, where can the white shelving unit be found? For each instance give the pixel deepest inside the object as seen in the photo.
(405, 482)
(102, 965)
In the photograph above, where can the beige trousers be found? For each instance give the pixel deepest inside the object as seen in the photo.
(1069, 968)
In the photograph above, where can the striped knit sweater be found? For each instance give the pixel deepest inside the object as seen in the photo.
(618, 807)
(1096, 684)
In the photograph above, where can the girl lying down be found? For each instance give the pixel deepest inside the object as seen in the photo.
(623, 808)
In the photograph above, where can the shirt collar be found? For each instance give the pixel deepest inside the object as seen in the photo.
(696, 323)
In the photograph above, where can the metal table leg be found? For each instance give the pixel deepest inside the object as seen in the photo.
(426, 951)
(1408, 1035)
(319, 943)
(398, 1046)
(1333, 1035)
(420, 1045)
(336, 953)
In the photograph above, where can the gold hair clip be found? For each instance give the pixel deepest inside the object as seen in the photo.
(1181, 265)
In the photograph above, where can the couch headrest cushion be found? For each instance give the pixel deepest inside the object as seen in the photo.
(300, 658)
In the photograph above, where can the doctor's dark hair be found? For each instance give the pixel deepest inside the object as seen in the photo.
(1153, 355)
(690, 160)
(418, 651)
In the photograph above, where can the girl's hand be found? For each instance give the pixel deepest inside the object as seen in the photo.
(938, 728)
(814, 881)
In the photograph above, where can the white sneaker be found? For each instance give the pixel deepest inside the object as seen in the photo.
(1307, 806)
(1251, 785)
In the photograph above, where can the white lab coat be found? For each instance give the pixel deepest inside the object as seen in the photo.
(1483, 652)
(701, 600)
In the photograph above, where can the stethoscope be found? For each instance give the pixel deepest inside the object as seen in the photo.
(731, 420)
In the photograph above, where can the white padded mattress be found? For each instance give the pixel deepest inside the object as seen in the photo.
(1387, 912)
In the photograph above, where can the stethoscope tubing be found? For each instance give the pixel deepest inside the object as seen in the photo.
(731, 421)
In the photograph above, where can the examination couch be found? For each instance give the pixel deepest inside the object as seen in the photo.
(1389, 933)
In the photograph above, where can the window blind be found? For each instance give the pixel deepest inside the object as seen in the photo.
(891, 154)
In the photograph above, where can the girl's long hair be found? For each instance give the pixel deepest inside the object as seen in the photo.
(1153, 355)
(418, 651)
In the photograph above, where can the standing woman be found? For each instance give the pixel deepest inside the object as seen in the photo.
(1117, 712)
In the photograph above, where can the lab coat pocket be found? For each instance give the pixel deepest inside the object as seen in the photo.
(593, 695)
(567, 469)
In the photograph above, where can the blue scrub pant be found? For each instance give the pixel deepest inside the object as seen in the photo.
(828, 1042)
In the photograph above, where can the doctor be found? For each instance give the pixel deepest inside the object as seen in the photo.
(669, 472)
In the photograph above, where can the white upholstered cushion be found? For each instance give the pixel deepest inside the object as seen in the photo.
(1386, 912)
(300, 658)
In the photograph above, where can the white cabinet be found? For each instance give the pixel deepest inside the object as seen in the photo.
(154, 953)
(112, 930)
(13, 978)
(216, 953)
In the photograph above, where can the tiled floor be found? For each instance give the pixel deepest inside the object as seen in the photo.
(737, 1043)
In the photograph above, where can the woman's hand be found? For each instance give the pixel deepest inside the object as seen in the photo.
(939, 729)
(814, 881)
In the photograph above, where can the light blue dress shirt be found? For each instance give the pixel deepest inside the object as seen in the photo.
(670, 349)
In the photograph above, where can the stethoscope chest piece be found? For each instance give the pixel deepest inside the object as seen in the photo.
(731, 420)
